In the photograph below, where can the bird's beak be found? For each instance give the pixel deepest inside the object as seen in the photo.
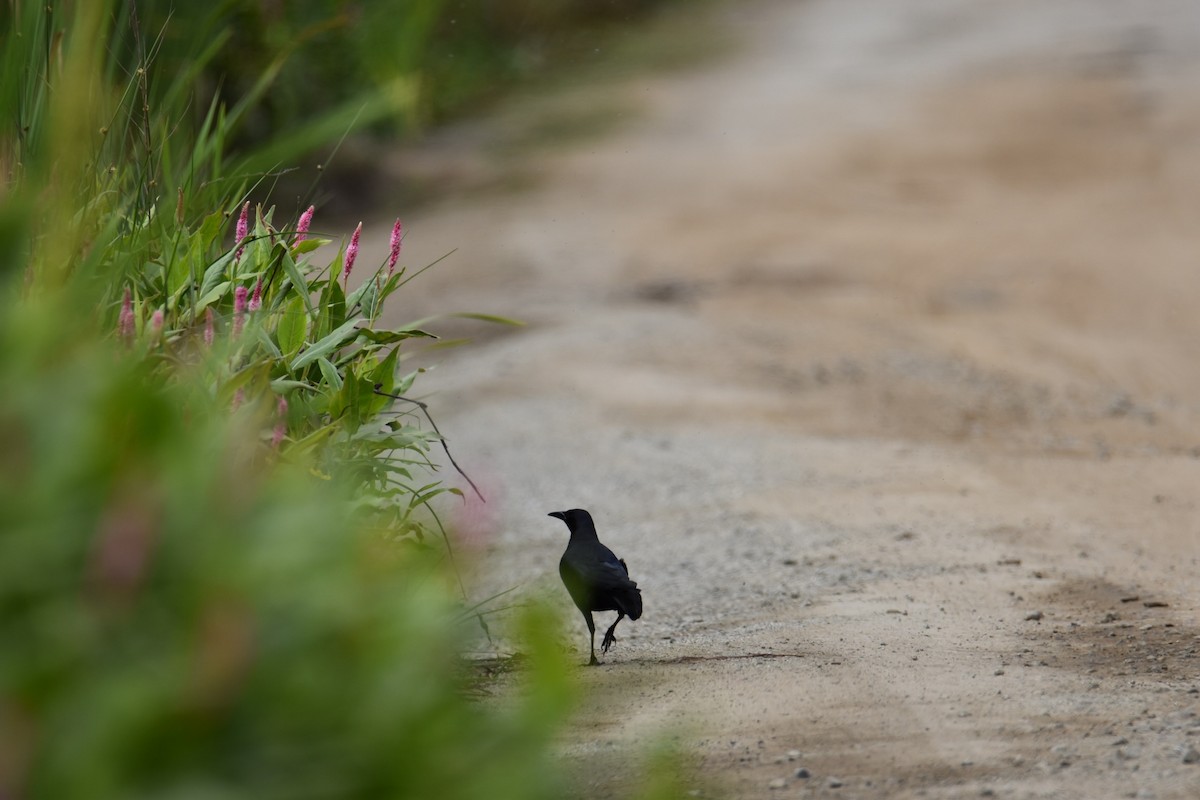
(558, 514)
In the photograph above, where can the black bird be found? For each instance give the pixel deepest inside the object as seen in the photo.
(596, 579)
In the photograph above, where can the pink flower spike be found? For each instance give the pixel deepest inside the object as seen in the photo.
(302, 225)
(351, 254)
(397, 233)
(239, 309)
(239, 397)
(125, 322)
(256, 298)
(243, 228)
(209, 328)
(156, 320)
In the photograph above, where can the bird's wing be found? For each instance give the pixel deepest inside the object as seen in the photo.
(599, 581)
(602, 575)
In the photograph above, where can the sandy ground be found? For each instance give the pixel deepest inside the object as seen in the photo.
(872, 346)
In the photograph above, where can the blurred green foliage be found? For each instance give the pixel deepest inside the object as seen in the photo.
(201, 594)
(181, 616)
(407, 62)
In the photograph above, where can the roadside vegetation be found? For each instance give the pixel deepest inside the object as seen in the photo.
(222, 572)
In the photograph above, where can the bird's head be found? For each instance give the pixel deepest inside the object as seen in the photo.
(576, 518)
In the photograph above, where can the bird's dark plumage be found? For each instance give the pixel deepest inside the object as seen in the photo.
(595, 578)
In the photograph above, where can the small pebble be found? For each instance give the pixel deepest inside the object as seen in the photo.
(835, 783)
(1192, 756)
(998, 672)
(802, 774)
(792, 755)
(778, 783)
(1036, 616)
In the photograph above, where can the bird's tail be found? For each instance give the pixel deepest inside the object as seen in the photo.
(630, 601)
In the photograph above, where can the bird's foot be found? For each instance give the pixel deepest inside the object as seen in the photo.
(594, 662)
(609, 638)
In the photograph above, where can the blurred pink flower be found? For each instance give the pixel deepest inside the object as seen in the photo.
(280, 423)
(302, 226)
(209, 328)
(351, 254)
(397, 232)
(256, 298)
(125, 322)
(238, 398)
(156, 320)
(474, 523)
(243, 228)
(239, 309)
(124, 543)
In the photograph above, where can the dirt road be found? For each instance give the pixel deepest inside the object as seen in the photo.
(872, 346)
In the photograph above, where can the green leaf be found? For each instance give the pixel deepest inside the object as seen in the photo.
(265, 339)
(329, 371)
(391, 337)
(446, 344)
(178, 273)
(489, 318)
(293, 326)
(406, 382)
(335, 301)
(308, 245)
(213, 295)
(394, 439)
(311, 441)
(349, 398)
(357, 296)
(385, 373)
(299, 284)
(333, 308)
(214, 273)
(281, 385)
(210, 228)
(327, 345)
(463, 315)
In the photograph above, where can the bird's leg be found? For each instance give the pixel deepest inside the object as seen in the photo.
(587, 615)
(609, 638)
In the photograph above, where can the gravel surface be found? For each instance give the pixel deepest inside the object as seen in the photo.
(871, 346)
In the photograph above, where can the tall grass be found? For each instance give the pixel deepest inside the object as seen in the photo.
(213, 577)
